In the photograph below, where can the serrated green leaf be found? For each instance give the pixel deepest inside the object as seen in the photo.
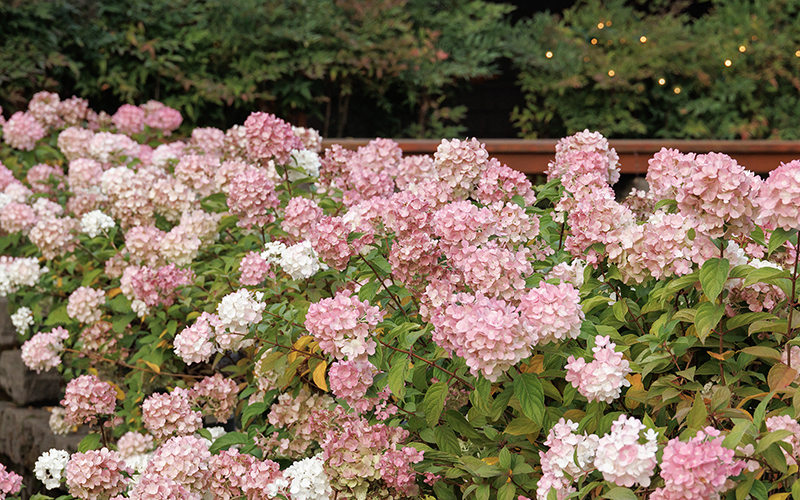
(734, 437)
(620, 494)
(397, 378)
(227, 440)
(433, 403)
(90, 442)
(778, 238)
(446, 440)
(713, 276)
(707, 318)
(521, 426)
(765, 275)
(507, 492)
(530, 394)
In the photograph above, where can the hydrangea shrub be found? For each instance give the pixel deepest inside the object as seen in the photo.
(240, 314)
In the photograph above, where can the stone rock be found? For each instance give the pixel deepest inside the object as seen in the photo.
(25, 434)
(26, 387)
(8, 334)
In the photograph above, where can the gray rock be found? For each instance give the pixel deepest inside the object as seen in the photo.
(26, 387)
(25, 434)
(8, 334)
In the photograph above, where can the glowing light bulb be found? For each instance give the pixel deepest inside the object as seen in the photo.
(643, 39)
(797, 54)
(677, 90)
(661, 81)
(742, 48)
(611, 72)
(727, 62)
(594, 41)
(600, 26)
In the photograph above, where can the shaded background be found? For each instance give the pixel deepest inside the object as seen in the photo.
(718, 69)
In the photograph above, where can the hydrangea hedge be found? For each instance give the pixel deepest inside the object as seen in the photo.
(240, 316)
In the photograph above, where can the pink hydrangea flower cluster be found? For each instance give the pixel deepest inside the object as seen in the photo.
(414, 169)
(311, 138)
(84, 304)
(251, 196)
(170, 414)
(395, 469)
(779, 197)
(342, 325)
(39, 175)
(459, 164)
(226, 473)
(147, 287)
(329, 236)
(74, 142)
(161, 117)
(99, 337)
(592, 142)
(143, 244)
(198, 172)
(492, 270)
(603, 378)
(171, 198)
(184, 459)
(84, 173)
(415, 259)
(486, 332)
(22, 131)
(216, 396)
(193, 344)
(719, 191)
(96, 474)
(698, 469)
(667, 170)
(551, 312)
(156, 487)
(501, 183)
(134, 443)
(16, 272)
(299, 216)
(621, 458)
(43, 350)
(73, 110)
(269, 137)
(595, 218)
(463, 222)
(294, 414)
(254, 269)
(785, 422)
(106, 147)
(264, 481)
(10, 482)
(352, 451)
(209, 140)
(17, 217)
(44, 107)
(350, 380)
(569, 457)
(55, 236)
(129, 119)
(88, 397)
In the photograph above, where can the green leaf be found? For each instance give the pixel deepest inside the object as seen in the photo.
(90, 442)
(771, 437)
(620, 494)
(796, 490)
(777, 238)
(761, 410)
(253, 410)
(765, 275)
(121, 322)
(696, 419)
(747, 318)
(89, 277)
(58, 316)
(444, 491)
(707, 318)
(446, 440)
(530, 394)
(734, 437)
(227, 440)
(759, 489)
(762, 352)
(433, 404)
(713, 276)
(507, 491)
(460, 424)
(521, 426)
(397, 378)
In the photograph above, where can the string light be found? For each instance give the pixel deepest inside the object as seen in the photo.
(727, 62)
(608, 23)
(661, 81)
(600, 26)
(797, 54)
(586, 59)
(594, 41)
(754, 38)
(643, 39)
(677, 90)
(611, 72)
(742, 48)
(548, 54)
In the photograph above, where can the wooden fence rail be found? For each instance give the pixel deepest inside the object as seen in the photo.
(532, 156)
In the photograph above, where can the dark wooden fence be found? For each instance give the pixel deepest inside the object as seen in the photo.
(532, 156)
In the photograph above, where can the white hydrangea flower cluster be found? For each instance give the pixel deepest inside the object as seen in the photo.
(94, 222)
(620, 456)
(307, 161)
(17, 272)
(237, 311)
(299, 261)
(57, 422)
(50, 466)
(308, 479)
(22, 319)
